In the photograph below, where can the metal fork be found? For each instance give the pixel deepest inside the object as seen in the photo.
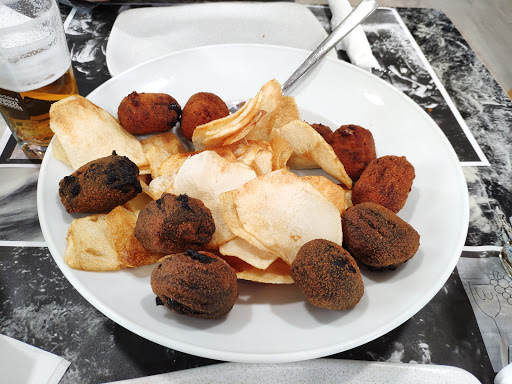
(364, 9)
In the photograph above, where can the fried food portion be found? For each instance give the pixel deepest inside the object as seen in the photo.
(386, 181)
(355, 148)
(197, 284)
(173, 224)
(308, 146)
(105, 242)
(377, 237)
(327, 275)
(142, 113)
(100, 185)
(324, 131)
(200, 109)
(87, 132)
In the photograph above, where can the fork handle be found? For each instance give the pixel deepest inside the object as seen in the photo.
(364, 9)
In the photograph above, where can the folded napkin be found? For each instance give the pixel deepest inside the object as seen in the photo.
(355, 43)
(21, 363)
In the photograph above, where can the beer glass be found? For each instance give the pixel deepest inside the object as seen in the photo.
(35, 70)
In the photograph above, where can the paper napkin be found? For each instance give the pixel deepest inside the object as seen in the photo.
(21, 363)
(355, 43)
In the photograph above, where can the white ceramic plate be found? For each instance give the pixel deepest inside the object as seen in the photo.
(156, 31)
(274, 323)
(325, 371)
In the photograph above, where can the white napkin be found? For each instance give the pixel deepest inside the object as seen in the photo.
(21, 363)
(355, 43)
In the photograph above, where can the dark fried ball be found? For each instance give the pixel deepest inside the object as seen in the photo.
(197, 284)
(174, 223)
(200, 109)
(328, 275)
(142, 113)
(355, 148)
(100, 185)
(324, 131)
(377, 237)
(386, 181)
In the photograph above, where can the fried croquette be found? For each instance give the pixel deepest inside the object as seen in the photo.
(355, 147)
(143, 113)
(386, 181)
(200, 109)
(377, 237)
(328, 275)
(197, 284)
(100, 185)
(324, 131)
(174, 224)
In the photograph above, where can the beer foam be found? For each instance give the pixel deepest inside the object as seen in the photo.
(27, 44)
(10, 18)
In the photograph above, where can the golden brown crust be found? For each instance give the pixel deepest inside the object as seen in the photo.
(377, 237)
(197, 284)
(386, 181)
(143, 113)
(100, 185)
(200, 109)
(328, 275)
(174, 223)
(324, 131)
(355, 148)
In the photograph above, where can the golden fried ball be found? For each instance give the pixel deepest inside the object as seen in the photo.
(200, 109)
(327, 275)
(143, 113)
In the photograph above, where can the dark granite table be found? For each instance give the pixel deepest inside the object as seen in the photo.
(40, 307)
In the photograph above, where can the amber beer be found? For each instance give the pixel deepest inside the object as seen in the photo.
(35, 70)
(27, 113)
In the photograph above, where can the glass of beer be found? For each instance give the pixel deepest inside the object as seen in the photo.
(35, 70)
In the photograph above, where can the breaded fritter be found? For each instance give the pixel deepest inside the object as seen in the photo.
(197, 284)
(143, 113)
(100, 185)
(355, 147)
(328, 275)
(386, 181)
(324, 131)
(174, 224)
(200, 109)
(377, 237)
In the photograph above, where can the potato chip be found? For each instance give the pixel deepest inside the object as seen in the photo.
(159, 148)
(281, 152)
(213, 134)
(309, 144)
(245, 121)
(231, 219)
(138, 202)
(277, 273)
(157, 187)
(167, 141)
(130, 252)
(59, 153)
(255, 154)
(240, 248)
(283, 212)
(205, 176)
(90, 246)
(88, 132)
(332, 191)
(171, 165)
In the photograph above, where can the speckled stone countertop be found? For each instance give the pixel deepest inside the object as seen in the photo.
(41, 308)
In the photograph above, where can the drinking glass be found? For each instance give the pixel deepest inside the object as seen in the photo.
(35, 70)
